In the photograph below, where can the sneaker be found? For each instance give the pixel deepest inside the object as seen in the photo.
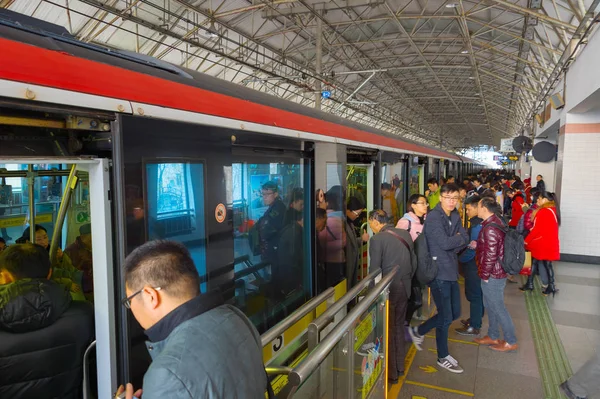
(564, 388)
(470, 331)
(416, 338)
(450, 364)
(466, 322)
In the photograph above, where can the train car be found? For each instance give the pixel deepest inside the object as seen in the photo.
(143, 150)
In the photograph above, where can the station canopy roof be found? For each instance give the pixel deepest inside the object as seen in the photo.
(453, 73)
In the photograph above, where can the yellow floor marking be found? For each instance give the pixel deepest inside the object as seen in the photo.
(432, 350)
(394, 391)
(428, 369)
(419, 397)
(456, 340)
(456, 391)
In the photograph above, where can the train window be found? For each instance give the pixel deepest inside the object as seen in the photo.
(175, 203)
(271, 231)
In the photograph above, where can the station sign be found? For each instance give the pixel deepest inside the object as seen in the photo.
(513, 157)
(326, 94)
(506, 145)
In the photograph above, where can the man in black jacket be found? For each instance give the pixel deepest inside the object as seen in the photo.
(391, 247)
(43, 335)
(446, 237)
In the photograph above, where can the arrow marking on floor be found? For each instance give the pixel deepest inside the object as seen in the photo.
(428, 369)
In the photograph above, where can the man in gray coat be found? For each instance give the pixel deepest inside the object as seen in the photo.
(391, 247)
(196, 342)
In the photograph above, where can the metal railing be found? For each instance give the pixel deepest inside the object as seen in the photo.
(317, 325)
(345, 329)
(296, 316)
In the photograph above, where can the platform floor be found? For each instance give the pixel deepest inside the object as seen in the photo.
(575, 311)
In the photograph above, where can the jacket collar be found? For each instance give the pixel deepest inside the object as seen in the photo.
(493, 219)
(184, 312)
(453, 214)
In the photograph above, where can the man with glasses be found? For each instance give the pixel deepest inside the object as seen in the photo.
(270, 224)
(197, 343)
(445, 237)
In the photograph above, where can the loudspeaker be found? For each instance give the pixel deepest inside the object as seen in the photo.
(557, 101)
(544, 151)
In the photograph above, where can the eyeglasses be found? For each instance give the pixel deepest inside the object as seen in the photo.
(449, 198)
(421, 203)
(357, 213)
(127, 301)
(267, 193)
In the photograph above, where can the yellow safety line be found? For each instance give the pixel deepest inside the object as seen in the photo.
(456, 340)
(456, 391)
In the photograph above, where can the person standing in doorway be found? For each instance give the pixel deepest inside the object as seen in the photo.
(540, 185)
(354, 240)
(445, 237)
(490, 251)
(391, 247)
(433, 194)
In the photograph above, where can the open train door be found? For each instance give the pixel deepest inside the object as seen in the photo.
(62, 194)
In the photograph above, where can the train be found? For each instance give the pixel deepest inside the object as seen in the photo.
(145, 150)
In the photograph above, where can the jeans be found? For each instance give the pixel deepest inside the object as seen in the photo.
(473, 292)
(493, 300)
(446, 296)
(397, 349)
(541, 270)
(586, 381)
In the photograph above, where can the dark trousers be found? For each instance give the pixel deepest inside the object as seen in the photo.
(397, 350)
(415, 301)
(446, 296)
(473, 292)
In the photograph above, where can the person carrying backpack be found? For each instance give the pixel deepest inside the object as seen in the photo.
(492, 260)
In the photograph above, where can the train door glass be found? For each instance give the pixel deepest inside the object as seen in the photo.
(175, 204)
(393, 201)
(360, 183)
(68, 205)
(272, 232)
(417, 178)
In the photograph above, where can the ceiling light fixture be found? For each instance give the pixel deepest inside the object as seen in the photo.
(465, 52)
(451, 5)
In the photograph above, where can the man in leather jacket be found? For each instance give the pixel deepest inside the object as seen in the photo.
(43, 333)
(490, 251)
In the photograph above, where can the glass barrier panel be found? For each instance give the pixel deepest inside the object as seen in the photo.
(331, 379)
(369, 349)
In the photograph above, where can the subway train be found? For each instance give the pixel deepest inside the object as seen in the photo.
(146, 150)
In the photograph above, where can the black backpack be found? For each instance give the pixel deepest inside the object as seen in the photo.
(514, 250)
(427, 269)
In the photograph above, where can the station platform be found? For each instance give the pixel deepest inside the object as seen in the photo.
(556, 337)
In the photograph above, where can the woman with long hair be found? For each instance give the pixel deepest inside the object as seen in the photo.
(542, 240)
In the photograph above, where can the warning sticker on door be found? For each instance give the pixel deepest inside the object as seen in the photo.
(220, 213)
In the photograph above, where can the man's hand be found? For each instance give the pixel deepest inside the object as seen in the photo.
(365, 236)
(129, 394)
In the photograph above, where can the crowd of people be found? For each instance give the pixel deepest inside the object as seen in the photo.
(453, 229)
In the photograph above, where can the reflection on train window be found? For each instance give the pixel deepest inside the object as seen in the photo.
(175, 199)
(271, 239)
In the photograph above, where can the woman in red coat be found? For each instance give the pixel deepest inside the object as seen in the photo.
(542, 240)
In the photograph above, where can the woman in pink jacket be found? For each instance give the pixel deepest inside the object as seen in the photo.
(413, 222)
(332, 240)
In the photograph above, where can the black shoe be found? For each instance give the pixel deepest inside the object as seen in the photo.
(466, 323)
(392, 381)
(564, 388)
(527, 286)
(469, 331)
(550, 289)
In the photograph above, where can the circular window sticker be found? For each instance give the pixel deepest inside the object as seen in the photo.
(220, 213)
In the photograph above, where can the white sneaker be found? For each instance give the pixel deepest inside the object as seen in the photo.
(416, 338)
(450, 364)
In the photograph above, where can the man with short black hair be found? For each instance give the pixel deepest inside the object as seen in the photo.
(433, 194)
(445, 238)
(540, 185)
(197, 343)
(43, 334)
(270, 224)
(479, 188)
(472, 325)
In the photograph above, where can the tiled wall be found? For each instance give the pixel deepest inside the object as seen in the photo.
(580, 193)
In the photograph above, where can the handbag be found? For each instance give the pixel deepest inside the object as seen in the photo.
(526, 270)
